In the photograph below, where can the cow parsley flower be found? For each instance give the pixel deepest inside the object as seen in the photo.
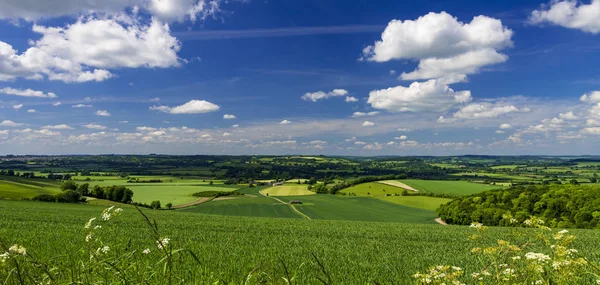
(89, 238)
(4, 257)
(146, 251)
(476, 225)
(162, 244)
(105, 249)
(539, 257)
(17, 249)
(89, 223)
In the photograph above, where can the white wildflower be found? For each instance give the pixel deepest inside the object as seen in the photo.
(89, 238)
(105, 249)
(456, 268)
(563, 232)
(528, 222)
(89, 223)
(17, 249)
(486, 273)
(4, 257)
(539, 282)
(146, 251)
(516, 257)
(540, 257)
(513, 221)
(162, 244)
(508, 271)
(106, 216)
(97, 227)
(118, 210)
(476, 225)
(571, 251)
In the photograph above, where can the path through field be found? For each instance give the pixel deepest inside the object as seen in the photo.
(439, 221)
(398, 184)
(292, 206)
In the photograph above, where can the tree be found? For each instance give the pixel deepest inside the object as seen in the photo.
(593, 180)
(83, 189)
(69, 185)
(321, 189)
(211, 183)
(155, 205)
(169, 206)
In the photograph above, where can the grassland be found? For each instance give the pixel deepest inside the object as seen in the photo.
(421, 202)
(245, 206)
(287, 190)
(373, 189)
(448, 187)
(230, 248)
(16, 188)
(176, 195)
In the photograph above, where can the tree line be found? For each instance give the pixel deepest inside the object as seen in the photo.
(560, 206)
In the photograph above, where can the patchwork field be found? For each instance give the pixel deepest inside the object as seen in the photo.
(449, 187)
(287, 190)
(245, 206)
(373, 189)
(175, 194)
(16, 188)
(422, 202)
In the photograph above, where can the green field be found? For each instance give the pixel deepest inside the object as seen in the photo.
(422, 202)
(174, 194)
(16, 188)
(329, 207)
(448, 187)
(287, 190)
(373, 189)
(230, 249)
(246, 206)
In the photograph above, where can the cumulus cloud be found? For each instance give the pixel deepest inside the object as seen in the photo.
(229, 117)
(102, 113)
(401, 137)
(18, 106)
(27, 93)
(481, 111)
(155, 99)
(58, 127)
(95, 127)
(431, 95)
(444, 46)
(319, 95)
(191, 107)
(569, 14)
(32, 111)
(350, 99)
(166, 10)
(56, 104)
(87, 49)
(368, 124)
(363, 114)
(592, 97)
(505, 126)
(285, 122)
(9, 123)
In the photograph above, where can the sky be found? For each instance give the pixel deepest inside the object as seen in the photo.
(331, 77)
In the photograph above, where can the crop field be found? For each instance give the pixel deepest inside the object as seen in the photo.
(422, 202)
(287, 190)
(329, 207)
(373, 189)
(16, 188)
(245, 206)
(448, 187)
(176, 195)
(231, 248)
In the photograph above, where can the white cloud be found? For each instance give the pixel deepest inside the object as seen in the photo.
(570, 14)
(592, 97)
(166, 10)
(592, 131)
(18, 106)
(102, 113)
(155, 99)
(81, 106)
(505, 126)
(191, 107)
(226, 134)
(392, 72)
(31, 111)
(85, 50)
(481, 111)
(362, 114)
(350, 99)
(368, 124)
(58, 127)
(285, 122)
(360, 143)
(569, 116)
(500, 131)
(444, 46)
(315, 96)
(95, 127)
(57, 104)
(27, 93)
(235, 126)
(9, 123)
(431, 95)
(401, 137)
(123, 122)
(229, 117)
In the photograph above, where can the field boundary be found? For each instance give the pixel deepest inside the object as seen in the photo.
(397, 184)
(194, 203)
(439, 221)
(291, 206)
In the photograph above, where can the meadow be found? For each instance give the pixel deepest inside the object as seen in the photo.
(16, 188)
(287, 189)
(448, 187)
(175, 194)
(248, 250)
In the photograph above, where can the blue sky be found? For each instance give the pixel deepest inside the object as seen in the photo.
(299, 77)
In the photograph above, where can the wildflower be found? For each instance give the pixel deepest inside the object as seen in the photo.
(456, 268)
(486, 273)
(476, 225)
(118, 211)
(571, 251)
(146, 251)
(539, 282)
(4, 257)
(105, 249)
(563, 232)
(162, 243)
(106, 214)
(540, 257)
(17, 249)
(513, 221)
(89, 237)
(516, 257)
(508, 271)
(89, 223)
(97, 227)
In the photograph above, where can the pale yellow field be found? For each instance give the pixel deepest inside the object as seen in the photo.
(287, 190)
(398, 184)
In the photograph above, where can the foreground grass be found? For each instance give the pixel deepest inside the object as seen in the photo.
(232, 249)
